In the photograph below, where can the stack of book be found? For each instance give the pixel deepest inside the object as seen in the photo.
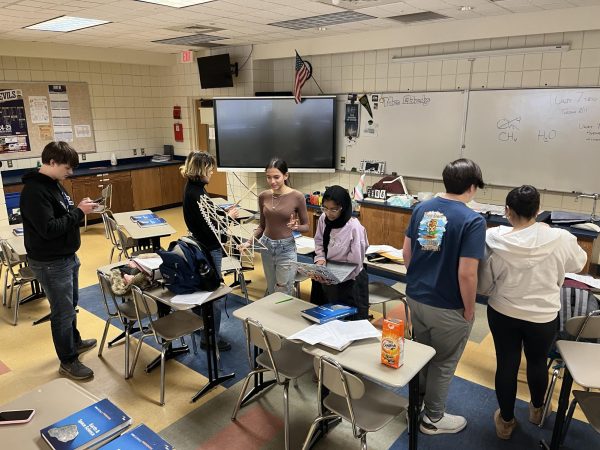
(140, 438)
(328, 312)
(88, 428)
(148, 220)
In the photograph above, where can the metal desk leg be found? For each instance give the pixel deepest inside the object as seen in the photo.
(211, 352)
(413, 412)
(563, 404)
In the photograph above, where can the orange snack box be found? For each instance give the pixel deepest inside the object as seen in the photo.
(392, 343)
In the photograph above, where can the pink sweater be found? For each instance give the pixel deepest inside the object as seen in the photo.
(346, 244)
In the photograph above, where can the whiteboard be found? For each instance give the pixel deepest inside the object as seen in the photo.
(549, 138)
(415, 133)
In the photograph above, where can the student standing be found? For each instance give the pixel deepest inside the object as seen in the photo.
(443, 245)
(523, 271)
(282, 211)
(198, 169)
(51, 232)
(342, 238)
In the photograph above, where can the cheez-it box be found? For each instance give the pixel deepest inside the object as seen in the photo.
(392, 343)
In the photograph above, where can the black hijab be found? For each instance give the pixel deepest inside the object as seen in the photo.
(340, 197)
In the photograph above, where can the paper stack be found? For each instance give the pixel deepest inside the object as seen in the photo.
(337, 334)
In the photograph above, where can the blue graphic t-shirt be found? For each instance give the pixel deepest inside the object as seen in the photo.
(441, 232)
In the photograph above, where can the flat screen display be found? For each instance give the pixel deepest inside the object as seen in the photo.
(251, 131)
(215, 71)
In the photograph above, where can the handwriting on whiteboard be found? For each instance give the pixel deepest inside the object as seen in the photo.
(508, 129)
(408, 99)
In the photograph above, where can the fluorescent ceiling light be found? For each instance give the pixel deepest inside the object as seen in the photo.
(176, 3)
(66, 23)
(483, 53)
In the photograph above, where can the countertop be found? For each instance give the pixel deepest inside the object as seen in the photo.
(95, 167)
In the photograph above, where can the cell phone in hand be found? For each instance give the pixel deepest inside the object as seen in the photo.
(98, 200)
(16, 416)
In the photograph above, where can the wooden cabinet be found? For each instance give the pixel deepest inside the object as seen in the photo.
(313, 219)
(13, 188)
(87, 186)
(146, 188)
(587, 246)
(122, 196)
(172, 184)
(384, 225)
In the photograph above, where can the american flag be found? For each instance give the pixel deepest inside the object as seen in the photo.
(303, 73)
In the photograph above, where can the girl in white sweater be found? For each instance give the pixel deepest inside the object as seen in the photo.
(522, 273)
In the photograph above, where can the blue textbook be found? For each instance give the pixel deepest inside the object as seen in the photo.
(143, 217)
(328, 312)
(140, 438)
(87, 428)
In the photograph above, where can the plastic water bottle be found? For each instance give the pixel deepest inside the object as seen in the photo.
(113, 159)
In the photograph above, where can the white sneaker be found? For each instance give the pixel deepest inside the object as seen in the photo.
(447, 424)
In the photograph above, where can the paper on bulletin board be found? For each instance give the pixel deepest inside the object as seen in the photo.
(45, 132)
(83, 131)
(211, 132)
(61, 112)
(38, 109)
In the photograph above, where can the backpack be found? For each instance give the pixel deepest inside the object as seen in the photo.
(187, 268)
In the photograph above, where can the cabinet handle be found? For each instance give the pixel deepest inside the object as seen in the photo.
(99, 174)
(101, 186)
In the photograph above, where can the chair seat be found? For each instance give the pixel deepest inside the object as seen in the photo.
(291, 361)
(589, 402)
(177, 324)
(373, 410)
(127, 310)
(381, 293)
(26, 274)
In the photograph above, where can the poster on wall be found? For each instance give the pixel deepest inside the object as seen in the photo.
(38, 109)
(61, 113)
(13, 122)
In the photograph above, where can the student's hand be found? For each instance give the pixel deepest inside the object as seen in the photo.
(233, 212)
(321, 262)
(87, 206)
(293, 223)
(469, 315)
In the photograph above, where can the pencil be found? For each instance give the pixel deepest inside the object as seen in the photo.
(284, 300)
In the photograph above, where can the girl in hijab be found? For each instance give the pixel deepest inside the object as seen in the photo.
(341, 238)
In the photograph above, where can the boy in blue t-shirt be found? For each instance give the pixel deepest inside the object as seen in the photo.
(443, 245)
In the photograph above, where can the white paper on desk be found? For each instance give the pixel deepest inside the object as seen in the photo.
(305, 242)
(149, 263)
(586, 279)
(197, 298)
(336, 334)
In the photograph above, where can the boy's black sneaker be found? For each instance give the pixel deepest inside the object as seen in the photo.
(76, 370)
(85, 345)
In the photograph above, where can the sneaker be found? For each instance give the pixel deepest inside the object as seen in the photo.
(76, 370)
(447, 424)
(222, 345)
(85, 345)
(535, 414)
(504, 429)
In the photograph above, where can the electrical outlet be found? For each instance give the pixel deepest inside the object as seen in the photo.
(83, 157)
(135, 152)
(9, 163)
(143, 150)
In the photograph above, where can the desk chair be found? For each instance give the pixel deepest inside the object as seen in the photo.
(165, 330)
(119, 239)
(123, 311)
(381, 293)
(589, 402)
(579, 327)
(284, 358)
(19, 277)
(366, 405)
(103, 205)
(582, 327)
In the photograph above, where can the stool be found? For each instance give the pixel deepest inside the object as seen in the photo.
(382, 293)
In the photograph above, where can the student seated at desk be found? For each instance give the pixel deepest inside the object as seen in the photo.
(522, 273)
(341, 238)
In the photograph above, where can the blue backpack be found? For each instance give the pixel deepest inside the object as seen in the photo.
(186, 268)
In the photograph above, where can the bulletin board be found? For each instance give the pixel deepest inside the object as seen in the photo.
(35, 113)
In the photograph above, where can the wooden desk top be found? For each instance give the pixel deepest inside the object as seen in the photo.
(52, 402)
(135, 231)
(583, 361)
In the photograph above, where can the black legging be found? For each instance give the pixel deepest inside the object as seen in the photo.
(510, 336)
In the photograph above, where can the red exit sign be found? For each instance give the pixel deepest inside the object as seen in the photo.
(187, 56)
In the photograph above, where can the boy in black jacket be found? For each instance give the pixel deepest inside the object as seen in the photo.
(51, 232)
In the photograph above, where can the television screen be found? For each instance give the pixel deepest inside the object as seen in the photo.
(252, 130)
(215, 71)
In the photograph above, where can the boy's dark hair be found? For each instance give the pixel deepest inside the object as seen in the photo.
(61, 153)
(524, 201)
(279, 164)
(460, 175)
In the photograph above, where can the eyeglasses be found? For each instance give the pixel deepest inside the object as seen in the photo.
(332, 210)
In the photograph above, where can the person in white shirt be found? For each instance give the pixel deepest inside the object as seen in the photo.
(522, 273)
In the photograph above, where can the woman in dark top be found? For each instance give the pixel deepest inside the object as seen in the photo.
(198, 169)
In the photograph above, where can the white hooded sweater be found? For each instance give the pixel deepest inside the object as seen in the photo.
(524, 270)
